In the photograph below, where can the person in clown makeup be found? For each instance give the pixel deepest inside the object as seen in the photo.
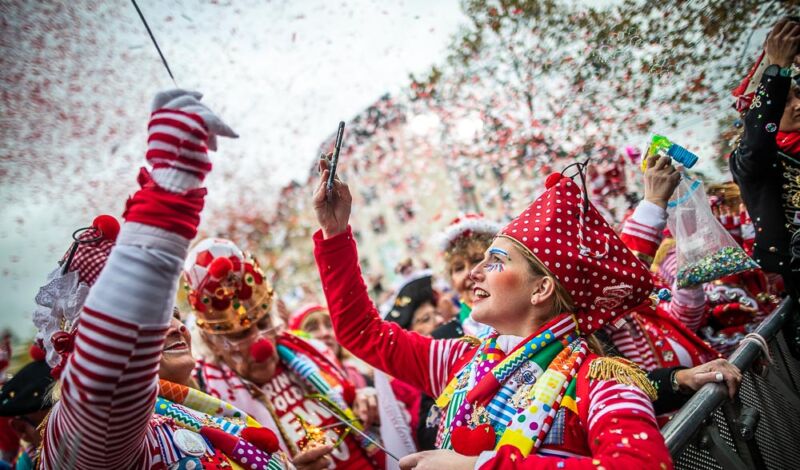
(532, 394)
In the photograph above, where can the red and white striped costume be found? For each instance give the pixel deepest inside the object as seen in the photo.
(105, 417)
(647, 341)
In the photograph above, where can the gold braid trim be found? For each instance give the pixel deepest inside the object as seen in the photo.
(622, 371)
(661, 253)
(471, 340)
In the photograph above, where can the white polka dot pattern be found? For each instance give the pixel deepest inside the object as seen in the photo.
(614, 281)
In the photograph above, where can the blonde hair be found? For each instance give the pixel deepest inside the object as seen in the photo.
(562, 302)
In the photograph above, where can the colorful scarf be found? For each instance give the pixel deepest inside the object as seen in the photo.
(194, 410)
(324, 376)
(464, 311)
(517, 394)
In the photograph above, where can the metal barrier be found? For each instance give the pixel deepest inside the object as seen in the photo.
(760, 428)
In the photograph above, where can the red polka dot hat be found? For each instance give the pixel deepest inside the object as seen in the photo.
(569, 236)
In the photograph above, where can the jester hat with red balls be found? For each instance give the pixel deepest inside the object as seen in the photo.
(60, 301)
(564, 231)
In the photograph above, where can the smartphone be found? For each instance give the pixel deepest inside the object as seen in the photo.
(335, 159)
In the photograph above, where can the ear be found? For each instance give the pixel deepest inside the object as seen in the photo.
(543, 290)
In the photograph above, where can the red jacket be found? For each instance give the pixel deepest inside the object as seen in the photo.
(614, 426)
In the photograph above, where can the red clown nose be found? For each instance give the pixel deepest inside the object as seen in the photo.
(262, 349)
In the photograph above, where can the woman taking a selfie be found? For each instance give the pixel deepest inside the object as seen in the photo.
(532, 394)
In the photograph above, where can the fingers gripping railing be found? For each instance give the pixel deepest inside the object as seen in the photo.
(693, 418)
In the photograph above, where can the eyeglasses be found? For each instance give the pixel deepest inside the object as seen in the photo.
(263, 328)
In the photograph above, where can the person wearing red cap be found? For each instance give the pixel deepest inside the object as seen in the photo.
(315, 321)
(531, 394)
(105, 318)
(282, 380)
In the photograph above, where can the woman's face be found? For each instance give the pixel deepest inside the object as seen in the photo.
(425, 319)
(790, 121)
(502, 285)
(177, 362)
(460, 266)
(318, 325)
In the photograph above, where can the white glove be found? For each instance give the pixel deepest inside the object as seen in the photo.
(181, 130)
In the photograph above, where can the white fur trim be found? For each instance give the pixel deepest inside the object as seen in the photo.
(475, 225)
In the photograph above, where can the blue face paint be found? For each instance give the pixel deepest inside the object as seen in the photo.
(491, 267)
(498, 266)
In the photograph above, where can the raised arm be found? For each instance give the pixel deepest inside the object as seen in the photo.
(109, 384)
(642, 234)
(757, 149)
(420, 361)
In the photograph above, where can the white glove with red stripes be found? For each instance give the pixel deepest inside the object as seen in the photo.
(181, 131)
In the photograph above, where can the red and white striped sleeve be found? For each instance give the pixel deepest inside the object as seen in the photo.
(643, 231)
(423, 362)
(689, 306)
(633, 345)
(109, 384)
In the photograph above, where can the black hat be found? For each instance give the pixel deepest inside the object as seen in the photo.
(417, 291)
(25, 393)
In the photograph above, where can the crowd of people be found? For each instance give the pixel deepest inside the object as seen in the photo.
(554, 340)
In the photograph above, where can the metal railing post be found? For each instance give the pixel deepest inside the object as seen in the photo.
(680, 431)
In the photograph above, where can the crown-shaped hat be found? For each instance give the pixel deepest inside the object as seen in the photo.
(226, 288)
(567, 234)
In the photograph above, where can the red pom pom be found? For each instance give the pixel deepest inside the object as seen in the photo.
(262, 438)
(552, 180)
(220, 267)
(262, 350)
(472, 442)
(108, 225)
(37, 353)
(220, 439)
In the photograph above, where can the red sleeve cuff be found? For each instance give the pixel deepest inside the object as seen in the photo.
(154, 206)
(323, 246)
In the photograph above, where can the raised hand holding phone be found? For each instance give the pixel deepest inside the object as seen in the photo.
(335, 160)
(332, 209)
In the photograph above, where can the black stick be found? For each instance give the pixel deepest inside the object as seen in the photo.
(155, 43)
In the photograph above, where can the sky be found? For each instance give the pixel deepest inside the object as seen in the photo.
(77, 79)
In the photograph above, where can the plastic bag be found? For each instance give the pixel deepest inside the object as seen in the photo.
(705, 249)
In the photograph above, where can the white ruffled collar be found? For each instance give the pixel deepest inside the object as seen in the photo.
(507, 343)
